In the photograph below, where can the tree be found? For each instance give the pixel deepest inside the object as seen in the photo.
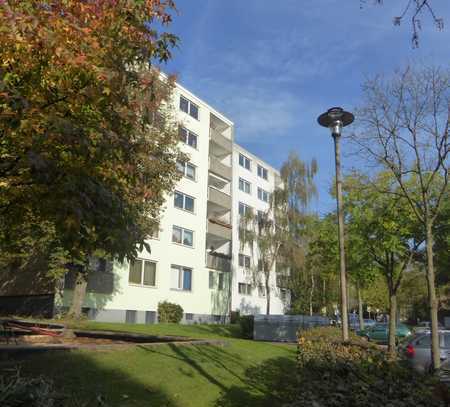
(404, 127)
(384, 226)
(415, 9)
(275, 235)
(87, 147)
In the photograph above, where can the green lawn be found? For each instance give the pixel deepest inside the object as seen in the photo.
(241, 373)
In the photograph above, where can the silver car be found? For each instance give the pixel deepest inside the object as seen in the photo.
(418, 350)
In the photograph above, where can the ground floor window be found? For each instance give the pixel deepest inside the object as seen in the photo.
(142, 272)
(181, 278)
(245, 289)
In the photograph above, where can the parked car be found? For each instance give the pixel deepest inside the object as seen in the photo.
(418, 350)
(380, 332)
(354, 324)
(425, 326)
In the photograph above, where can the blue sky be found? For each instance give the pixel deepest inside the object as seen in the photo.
(273, 66)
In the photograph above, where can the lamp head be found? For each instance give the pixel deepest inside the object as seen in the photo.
(335, 118)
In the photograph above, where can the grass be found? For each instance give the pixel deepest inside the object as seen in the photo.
(241, 373)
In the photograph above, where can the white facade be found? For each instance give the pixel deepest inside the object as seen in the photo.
(201, 271)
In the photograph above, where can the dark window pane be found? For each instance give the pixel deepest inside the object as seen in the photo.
(187, 276)
(211, 279)
(178, 200)
(241, 160)
(180, 166)
(221, 281)
(149, 273)
(187, 238)
(190, 171)
(193, 111)
(176, 234)
(192, 140)
(135, 272)
(189, 203)
(184, 104)
(183, 133)
(424, 342)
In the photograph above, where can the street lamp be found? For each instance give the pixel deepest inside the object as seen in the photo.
(335, 119)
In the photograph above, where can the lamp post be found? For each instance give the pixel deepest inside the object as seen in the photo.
(335, 119)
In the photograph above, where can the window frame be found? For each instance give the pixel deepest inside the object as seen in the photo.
(245, 183)
(261, 171)
(261, 193)
(183, 230)
(184, 196)
(245, 160)
(189, 104)
(245, 259)
(141, 284)
(181, 269)
(185, 166)
(246, 208)
(247, 290)
(185, 139)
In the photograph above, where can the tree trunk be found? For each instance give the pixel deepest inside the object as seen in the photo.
(79, 292)
(360, 308)
(432, 299)
(267, 295)
(392, 349)
(311, 295)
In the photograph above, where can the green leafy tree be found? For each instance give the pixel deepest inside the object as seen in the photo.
(384, 226)
(87, 147)
(404, 128)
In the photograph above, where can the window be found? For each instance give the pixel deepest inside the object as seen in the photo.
(188, 107)
(260, 265)
(187, 137)
(260, 216)
(261, 290)
(187, 169)
(244, 209)
(188, 316)
(181, 278)
(283, 294)
(244, 186)
(263, 195)
(244, 261)
(130, 316)
(424, 342)
(183, 236)
(245, 289)
(142, 272)
(216, 282)
(183, 201)
(262, 172)
(150, 317)
(245, 162)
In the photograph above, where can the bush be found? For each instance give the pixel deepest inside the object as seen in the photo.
(234, 317)
(169, 312)
(332, 373)
(246, 322)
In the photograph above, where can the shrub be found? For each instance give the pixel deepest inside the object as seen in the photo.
(234, 317)
(169, 312)
(246, 322)
(332, 373)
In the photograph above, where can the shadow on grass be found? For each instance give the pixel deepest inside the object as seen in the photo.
(80, 381)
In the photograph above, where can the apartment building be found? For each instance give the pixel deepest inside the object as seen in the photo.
(195, 255)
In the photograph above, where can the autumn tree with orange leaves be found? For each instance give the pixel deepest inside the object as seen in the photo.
(87, 143)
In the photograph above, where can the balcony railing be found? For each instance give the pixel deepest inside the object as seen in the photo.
(222, 170)
(218, 262)
(220, 229)
(219, 198)
(223, 142)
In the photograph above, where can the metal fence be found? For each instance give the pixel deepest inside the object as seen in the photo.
(284, 328)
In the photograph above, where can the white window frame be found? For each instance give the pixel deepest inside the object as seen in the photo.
(263, 172)
(246, 186)
(180, 279)
(190, 104)
(246, 261)
(184, 171)
(245, 161)
(262, 193)
(247, 289)
(183, 230)
(184, 202)
(246, 208)
(141, 284)
(184, 134)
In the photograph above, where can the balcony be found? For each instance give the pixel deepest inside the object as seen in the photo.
(222, 145)
(219, 198)
(219, 262)
(218, 231)
(222, 170)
